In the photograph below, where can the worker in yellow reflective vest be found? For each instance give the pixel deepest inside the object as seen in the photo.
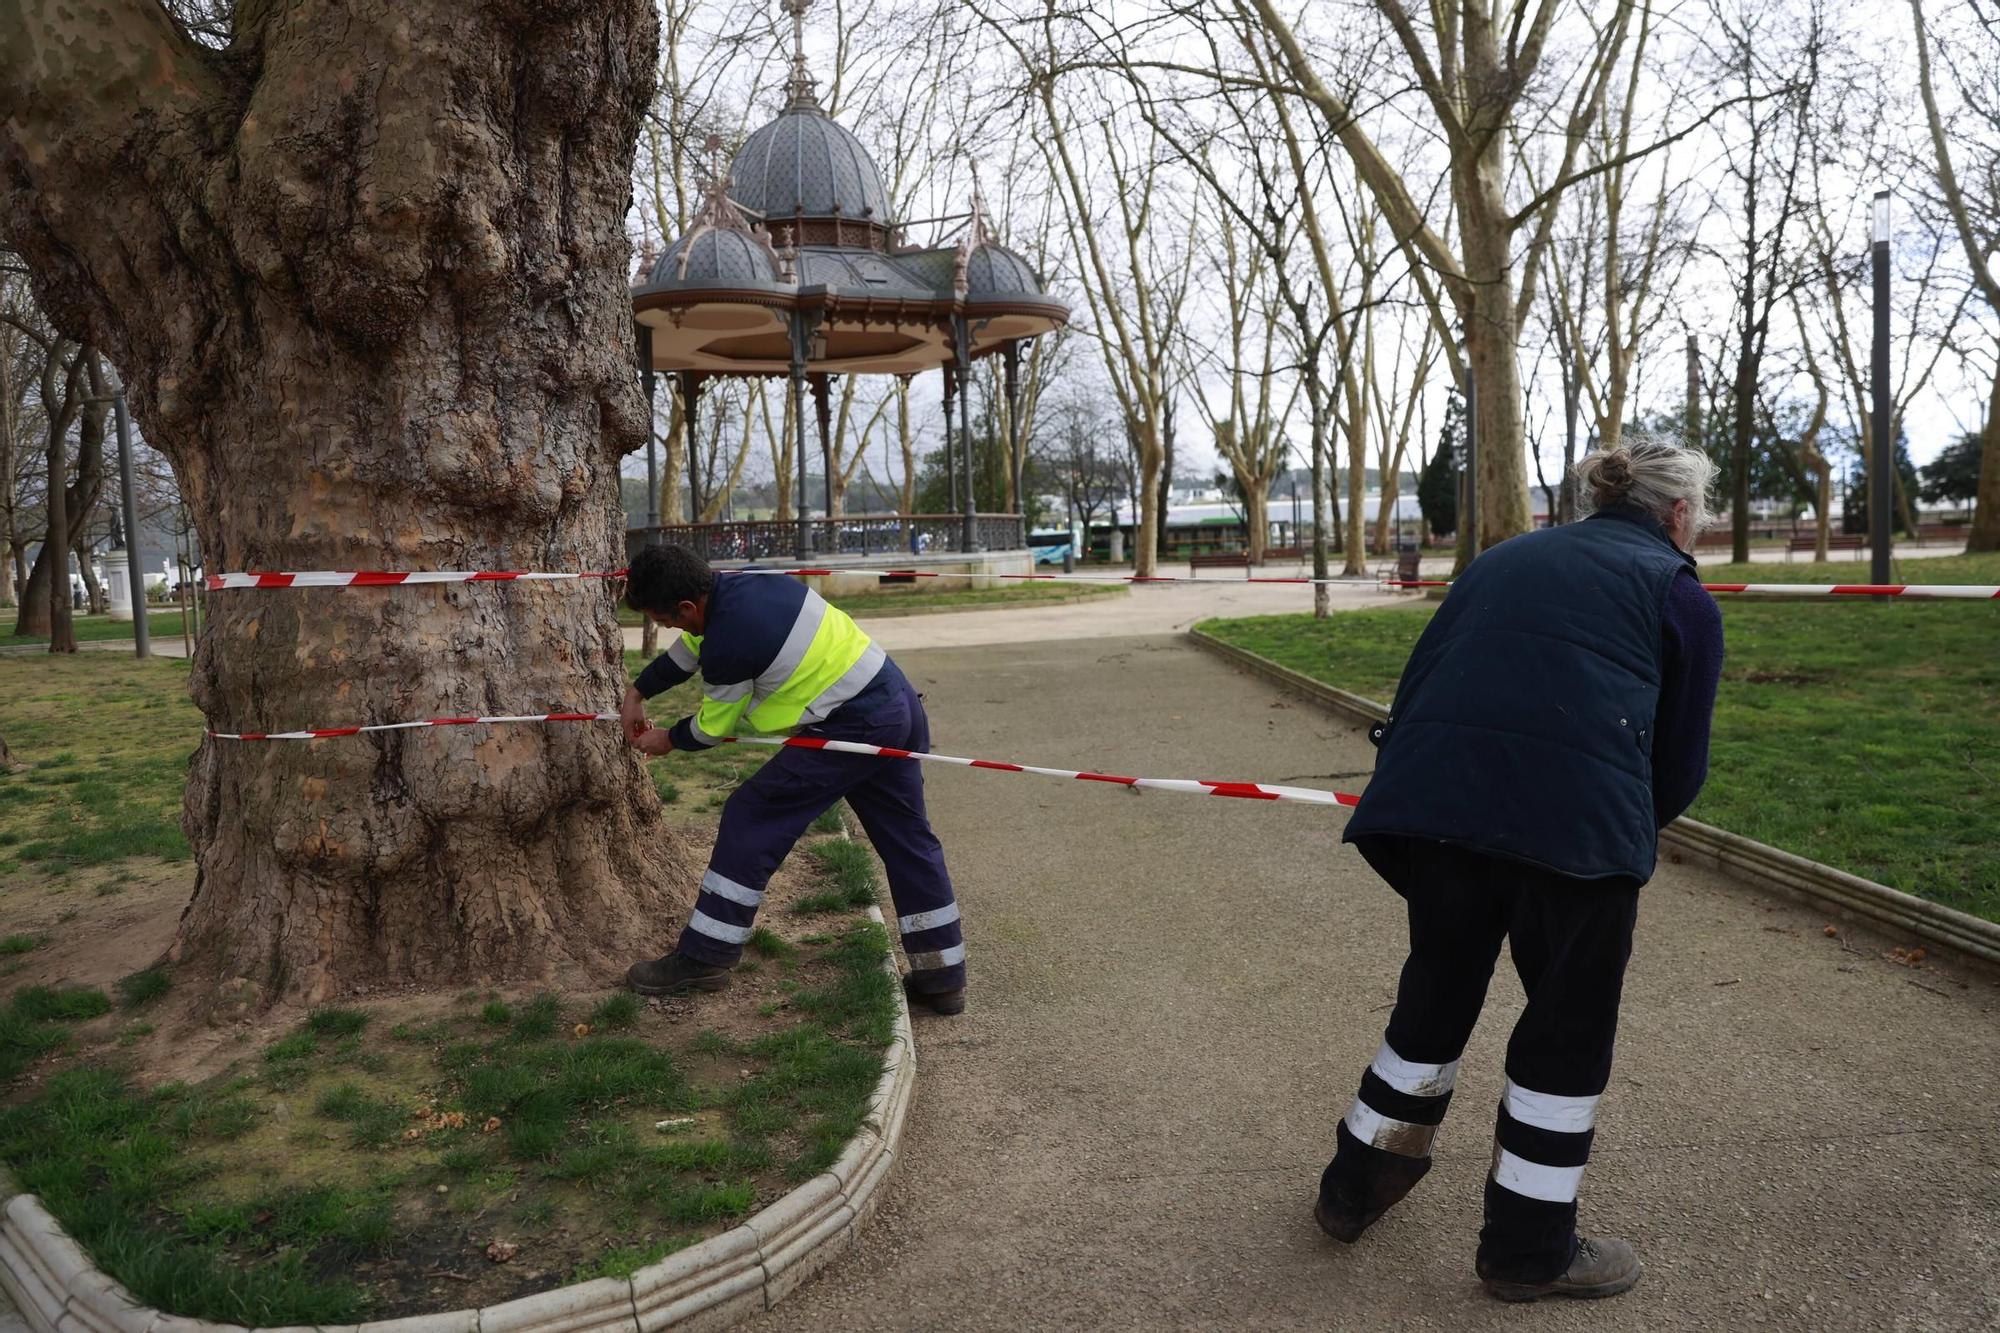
(775, 659)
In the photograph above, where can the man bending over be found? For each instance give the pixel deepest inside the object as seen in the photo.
(775, 659)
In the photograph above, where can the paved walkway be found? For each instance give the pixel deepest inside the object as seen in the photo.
(1173, 997)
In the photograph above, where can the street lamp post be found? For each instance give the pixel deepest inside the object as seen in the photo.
(135, 567)
(652, 458)
(1880, 467)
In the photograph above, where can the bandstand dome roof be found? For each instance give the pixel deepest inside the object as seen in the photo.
(993, 268)
(717, 256)
(800, 225)
(805, 164)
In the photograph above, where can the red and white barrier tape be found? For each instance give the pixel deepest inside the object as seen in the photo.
(328, 578)
(393, 578)
(1349, 581)
(1972, 591)
(1250, 791)
(323, 733)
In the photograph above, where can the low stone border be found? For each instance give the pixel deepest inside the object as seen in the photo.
(712, 1285)
(1845, 895)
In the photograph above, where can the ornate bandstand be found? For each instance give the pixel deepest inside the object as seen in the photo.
(794, 266)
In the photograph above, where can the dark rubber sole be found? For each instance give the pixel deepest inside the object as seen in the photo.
(945, 1003)
(710, 984)
(1520, 1292)
(1344, 1228)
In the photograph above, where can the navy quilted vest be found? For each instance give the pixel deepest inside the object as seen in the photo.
(1523, 725)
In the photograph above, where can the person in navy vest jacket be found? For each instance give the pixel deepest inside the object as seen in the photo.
(1551, 720)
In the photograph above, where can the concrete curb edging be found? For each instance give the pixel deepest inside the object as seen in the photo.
(713, 1285)
(1846, 895)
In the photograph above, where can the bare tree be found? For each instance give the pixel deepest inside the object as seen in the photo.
(1133, 284)
(363, 271)
(1810, 454)
(1476, 65)
(1249, 433)
(1770, 61)
(1973, 205)
(1612, 264)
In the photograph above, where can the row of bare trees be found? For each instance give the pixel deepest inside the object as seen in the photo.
(1369, 202)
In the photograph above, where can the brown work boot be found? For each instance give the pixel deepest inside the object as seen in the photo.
(675, 974)
(917, 988)
(1600, 1268)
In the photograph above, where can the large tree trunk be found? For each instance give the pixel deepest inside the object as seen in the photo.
(1257, 517)
(365, 274)
(1743, 402)
(93, 591)
(1492, 342)
(1985, 532)
(1325, 516)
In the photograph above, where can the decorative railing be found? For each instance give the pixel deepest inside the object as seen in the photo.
(856, 535)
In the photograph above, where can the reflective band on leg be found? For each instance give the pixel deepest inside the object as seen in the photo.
(1415, 1079)
(1551, 1184)
(1545, 1110)
(935, 958)
(724, 887)
(718, 930)
(916, 921)
(1401, 1137)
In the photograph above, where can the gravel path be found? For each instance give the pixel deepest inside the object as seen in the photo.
(1173, 997)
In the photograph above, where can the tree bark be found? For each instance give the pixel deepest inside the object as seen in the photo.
(364, 272)
(1984, 534)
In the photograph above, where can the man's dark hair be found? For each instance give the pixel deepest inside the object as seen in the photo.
(662, 577)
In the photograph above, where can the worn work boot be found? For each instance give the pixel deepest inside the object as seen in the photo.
(1344, 1214)
(945, 1002)
(676, 974)
(1600, 1268)
(1343, 1219)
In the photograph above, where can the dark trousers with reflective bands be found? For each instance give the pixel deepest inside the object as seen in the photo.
(1570, 940)
(764, 817)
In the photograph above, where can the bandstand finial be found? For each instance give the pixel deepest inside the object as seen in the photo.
(803, 96)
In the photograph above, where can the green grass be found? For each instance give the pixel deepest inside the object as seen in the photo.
(107, 1159)
(15, 944)
(142, 988)
(1860, 734)
(618, 1012)
(852, 870)
(106, 741)
(98, 629)
(336, 1022)
(767, 944)
(31, 1024)
(817, 1081)
(372, 1120)
(69, 1004)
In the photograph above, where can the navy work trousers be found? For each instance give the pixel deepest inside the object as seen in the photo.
(766, 815)
(1570, 940)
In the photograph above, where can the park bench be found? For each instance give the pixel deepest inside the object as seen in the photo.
(1220, 560)
(1941, 532)
(1284, 553)
(1838, 541)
